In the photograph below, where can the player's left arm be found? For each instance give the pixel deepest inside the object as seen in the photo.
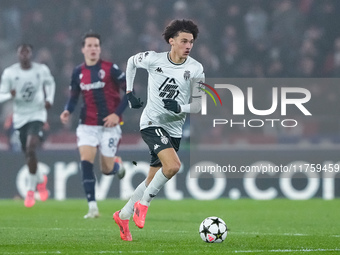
(196, 93)
(49, 86)
(120, 79)
(6, 90)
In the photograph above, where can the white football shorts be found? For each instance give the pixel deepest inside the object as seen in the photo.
(105, 138)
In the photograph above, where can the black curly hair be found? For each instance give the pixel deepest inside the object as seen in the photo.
(176, 26)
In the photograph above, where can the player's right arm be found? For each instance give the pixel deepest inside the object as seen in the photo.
(4, 97)
(140, 60)
(73, 98)
(6, 90)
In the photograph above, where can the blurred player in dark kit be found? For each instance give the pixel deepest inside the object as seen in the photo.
(99, 82)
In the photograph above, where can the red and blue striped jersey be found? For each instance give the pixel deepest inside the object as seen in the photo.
(100, 87)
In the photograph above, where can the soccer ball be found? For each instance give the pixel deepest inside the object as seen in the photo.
(213, 230)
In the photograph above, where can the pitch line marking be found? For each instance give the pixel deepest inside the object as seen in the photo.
(287, 250)
(123, 252)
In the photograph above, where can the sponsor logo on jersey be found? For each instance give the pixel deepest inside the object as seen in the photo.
(169, 89)
(101, 74)
(156, 146)
(186, 75)
(94, 85)
(28, 91)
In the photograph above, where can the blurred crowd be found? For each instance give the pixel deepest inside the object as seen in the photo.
(238, 38)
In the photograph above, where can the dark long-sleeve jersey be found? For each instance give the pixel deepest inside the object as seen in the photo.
(100, 86)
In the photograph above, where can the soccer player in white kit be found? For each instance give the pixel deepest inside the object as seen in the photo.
(173, 80)
(32, 88)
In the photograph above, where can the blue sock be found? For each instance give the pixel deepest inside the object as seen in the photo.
(115, 169)
(89, 180)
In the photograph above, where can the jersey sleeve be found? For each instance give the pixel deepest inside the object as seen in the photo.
(49, 84)
(196, 93)
(140, 60)
(5, 96)
(74, 91)
(6, 84)
(143, 59)
(118, 76)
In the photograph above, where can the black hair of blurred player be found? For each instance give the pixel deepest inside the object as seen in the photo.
(89, 34)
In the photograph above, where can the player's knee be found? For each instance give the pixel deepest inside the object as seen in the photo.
(106, 169)
(172, 169)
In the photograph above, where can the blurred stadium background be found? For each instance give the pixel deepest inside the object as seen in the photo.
(238, 39)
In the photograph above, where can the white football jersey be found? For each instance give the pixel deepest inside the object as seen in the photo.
(32, 87)
(168, 80)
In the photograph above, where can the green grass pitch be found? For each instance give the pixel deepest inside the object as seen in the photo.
(256, 227)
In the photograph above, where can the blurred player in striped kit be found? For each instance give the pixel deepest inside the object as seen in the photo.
(99, 82)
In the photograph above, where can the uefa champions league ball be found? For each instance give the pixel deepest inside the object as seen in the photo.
(213, 230)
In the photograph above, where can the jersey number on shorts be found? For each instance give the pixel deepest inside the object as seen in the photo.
(168, 89)
(113, 142)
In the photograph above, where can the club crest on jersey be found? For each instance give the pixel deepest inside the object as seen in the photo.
(164, 139)
(101, 74)
(80, 76)
(186, 75)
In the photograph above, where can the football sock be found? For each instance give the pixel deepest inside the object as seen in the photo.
(89, 180)
(115, 169)
(32, 181)
(92, 205)
(155, 185)
(127, 210)
(40, 176)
